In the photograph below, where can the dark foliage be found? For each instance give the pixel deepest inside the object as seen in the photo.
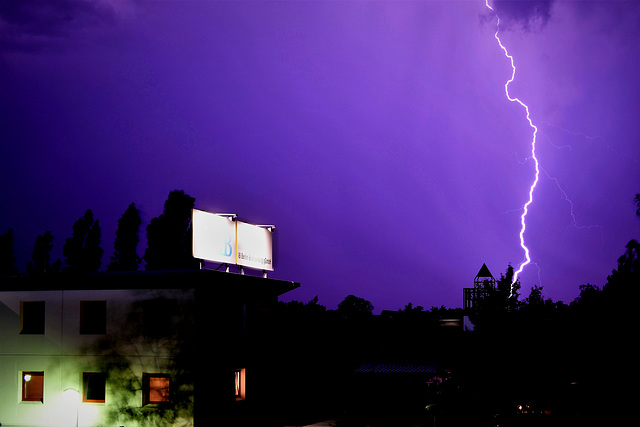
(82, 250)
(169, 236)
(118, 355)
(7, 256)
(355, 307)
(530, 362)
(41, 257)
(125, 256)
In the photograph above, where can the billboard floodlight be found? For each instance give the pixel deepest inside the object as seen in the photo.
(232, 217)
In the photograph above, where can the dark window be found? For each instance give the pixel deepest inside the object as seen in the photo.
(155, 388)
(33, 386)
(157, 316)
(93, 387)
(32, 317)
(93, 317)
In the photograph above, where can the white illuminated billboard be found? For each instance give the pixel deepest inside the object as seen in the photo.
(255, 248)
(220, 239)
(214, 237)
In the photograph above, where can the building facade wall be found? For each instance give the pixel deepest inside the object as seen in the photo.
(63, 353)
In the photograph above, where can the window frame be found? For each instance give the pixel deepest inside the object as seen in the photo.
(86, 377)
(24, 394)
(146, 388)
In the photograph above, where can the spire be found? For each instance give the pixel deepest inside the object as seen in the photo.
(484, 279)
(484, 272)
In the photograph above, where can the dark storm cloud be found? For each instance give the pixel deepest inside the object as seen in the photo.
(529, 15)
(32, 24)
(612, 17)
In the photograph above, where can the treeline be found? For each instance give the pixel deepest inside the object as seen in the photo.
(501, 303)
(168, 243)
(566, 364)
(599, 321)
(560, 363)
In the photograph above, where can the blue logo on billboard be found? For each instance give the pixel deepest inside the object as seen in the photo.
(227, 250)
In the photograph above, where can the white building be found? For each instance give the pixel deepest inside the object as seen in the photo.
(116, 348)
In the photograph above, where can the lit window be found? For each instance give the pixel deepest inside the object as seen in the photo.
(32, 386)
(32, 317)
(240, 384)
(93, 387)
(155, 389)
(93, 317)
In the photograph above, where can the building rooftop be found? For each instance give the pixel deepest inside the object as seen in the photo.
(228, 283)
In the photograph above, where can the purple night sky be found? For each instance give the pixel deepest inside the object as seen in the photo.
(376, 135)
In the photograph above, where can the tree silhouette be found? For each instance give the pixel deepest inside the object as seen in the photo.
(169, 236)
(508, 291)
(7, 255)
(628, 263)
(589, 296)
(409, 308)
(535, 298)
(355, 307)
(82, 250)
(622, 284)
(125, 256)
(41, 257)
(621, 291)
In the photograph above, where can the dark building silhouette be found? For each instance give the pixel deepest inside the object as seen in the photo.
(483, 284)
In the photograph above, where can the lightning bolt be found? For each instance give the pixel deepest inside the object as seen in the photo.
(525, 209)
